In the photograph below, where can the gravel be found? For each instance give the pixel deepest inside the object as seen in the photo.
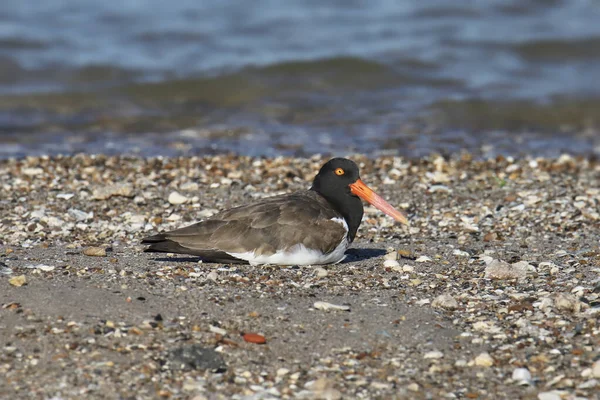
(492, 292)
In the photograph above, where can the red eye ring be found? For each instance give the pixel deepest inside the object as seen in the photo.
(339, 171)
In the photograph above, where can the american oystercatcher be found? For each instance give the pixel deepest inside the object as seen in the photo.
(309, 227)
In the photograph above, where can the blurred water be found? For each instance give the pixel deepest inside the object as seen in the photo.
(272, 77)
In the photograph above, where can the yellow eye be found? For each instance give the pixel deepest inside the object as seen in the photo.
(339, 171)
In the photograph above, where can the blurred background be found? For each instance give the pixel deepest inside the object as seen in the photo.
(268, 77)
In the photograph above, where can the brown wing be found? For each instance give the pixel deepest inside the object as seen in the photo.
(276, 223)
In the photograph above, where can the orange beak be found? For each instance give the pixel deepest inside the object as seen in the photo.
(361, 190)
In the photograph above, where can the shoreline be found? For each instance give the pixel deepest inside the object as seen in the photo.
(499, 271)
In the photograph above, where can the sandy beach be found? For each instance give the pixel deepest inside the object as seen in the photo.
(493, 291)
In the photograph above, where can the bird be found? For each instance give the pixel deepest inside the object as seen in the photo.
(307, 227)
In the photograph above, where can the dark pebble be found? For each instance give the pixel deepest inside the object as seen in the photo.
(196, 357)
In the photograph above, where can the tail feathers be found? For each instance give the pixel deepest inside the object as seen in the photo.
(159, 244)
(154, 239)
(164, 246)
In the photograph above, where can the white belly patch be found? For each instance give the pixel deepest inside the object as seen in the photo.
(299, 254)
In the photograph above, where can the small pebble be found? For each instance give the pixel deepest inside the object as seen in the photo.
(94, 251)
(460, 253)
(391, 264)
(18, 281)
(596, 369)
(490, 237)
(175, 198)
(501, 270)
(195, 357)
(5, 270)
(80, 215)
(106, 192)
(379, 385)
(323, 388)
(445, 301)
(549, 396)
(433, 355)
(254, 338)
(484, 360)
(217, 330)
(323, 305)
(190, 187)
(521, 376)
(461, 363)
(413, 387)
(567, 302)
(42, 267)
(589, 384)
(408, 268)
(212, 276)
(32, 171)
(405, 253)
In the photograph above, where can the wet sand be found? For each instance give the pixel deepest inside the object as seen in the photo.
(493, 292)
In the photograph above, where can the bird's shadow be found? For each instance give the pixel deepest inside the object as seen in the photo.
(352, 255)
(355, 255)
(178, 259)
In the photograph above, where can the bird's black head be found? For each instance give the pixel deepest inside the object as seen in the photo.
(335, 177)
(333, 183)
(339, 183)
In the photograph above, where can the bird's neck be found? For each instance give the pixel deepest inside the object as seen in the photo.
(353, 219)
(351, 209)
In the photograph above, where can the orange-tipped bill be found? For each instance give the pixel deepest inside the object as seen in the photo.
(364, 192)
